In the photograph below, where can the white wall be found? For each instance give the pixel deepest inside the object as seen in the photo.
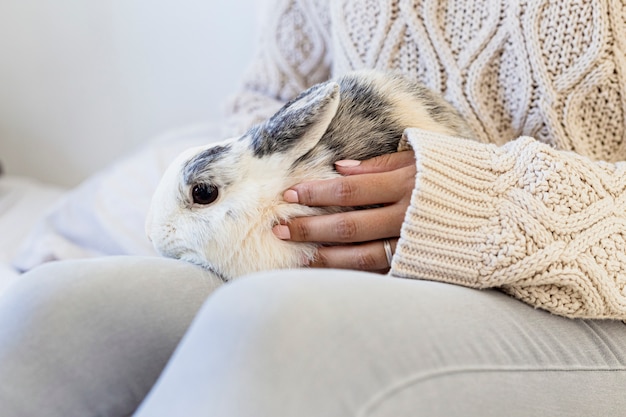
(83, 82)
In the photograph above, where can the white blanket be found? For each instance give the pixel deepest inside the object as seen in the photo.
(22, 202)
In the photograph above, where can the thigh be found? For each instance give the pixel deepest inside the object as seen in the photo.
(336, 343)
(89, 338)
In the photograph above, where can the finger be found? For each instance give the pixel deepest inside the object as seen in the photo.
(383, 163)
(368, 256)
(347, 227)
(351, 191)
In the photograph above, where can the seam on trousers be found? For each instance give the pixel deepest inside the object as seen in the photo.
(386, 393)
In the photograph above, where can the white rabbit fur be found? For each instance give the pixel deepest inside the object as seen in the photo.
(357, 116)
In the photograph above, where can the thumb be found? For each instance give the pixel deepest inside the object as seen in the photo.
(382, 163)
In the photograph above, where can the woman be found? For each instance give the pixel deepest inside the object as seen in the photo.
(538, 219)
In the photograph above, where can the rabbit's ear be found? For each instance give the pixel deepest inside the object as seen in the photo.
(297, 127)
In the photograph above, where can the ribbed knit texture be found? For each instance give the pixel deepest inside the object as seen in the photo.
(547, 226)
(543, 223)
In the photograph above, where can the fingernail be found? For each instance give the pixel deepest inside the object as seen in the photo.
(291, 196)
(348, 163)
(282, 232)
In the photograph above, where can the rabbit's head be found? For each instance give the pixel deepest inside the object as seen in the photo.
(216, 205)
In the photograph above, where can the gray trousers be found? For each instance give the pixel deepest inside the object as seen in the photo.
(90, 338)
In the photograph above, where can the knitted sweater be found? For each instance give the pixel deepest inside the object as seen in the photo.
(536, 204)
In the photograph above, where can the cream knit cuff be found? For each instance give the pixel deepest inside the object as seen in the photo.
(545, 226)
(452, 230)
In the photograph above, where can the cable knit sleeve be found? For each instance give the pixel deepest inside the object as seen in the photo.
(546, 226)
(293, 54)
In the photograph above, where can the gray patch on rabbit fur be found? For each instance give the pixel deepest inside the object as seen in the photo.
(291, 122)
(197, 166)
(365, 113)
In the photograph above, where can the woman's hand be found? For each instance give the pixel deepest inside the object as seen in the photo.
(359, 234)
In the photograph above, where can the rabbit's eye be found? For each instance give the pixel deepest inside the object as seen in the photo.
(204, 194)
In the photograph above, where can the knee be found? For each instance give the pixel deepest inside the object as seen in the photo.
(292, 312)
(280, 300)
(42, 291)
(111, 280)
(272, 301)
(54, 289)
(79, 293)
(326, 313)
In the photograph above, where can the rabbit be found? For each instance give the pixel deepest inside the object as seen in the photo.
(215, 205)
